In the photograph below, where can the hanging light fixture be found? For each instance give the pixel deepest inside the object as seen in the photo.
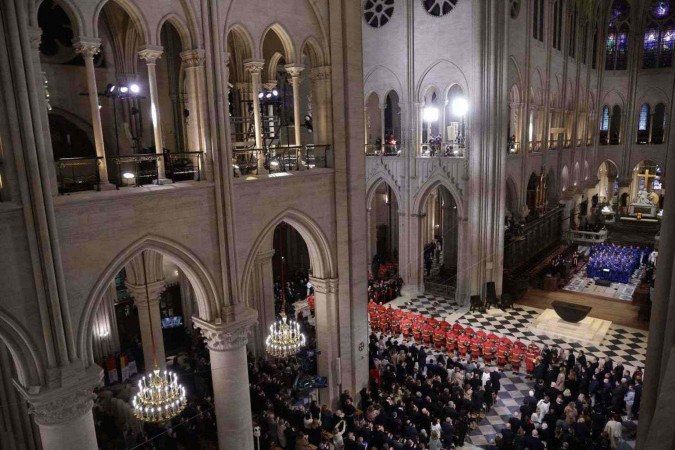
(285, 338)
(160, 397)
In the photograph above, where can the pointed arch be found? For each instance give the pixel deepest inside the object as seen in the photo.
(180, 26)
(76, 19)
(286, 42)
(241, 37)
(202, 282)
(320, 255)
(374, 184)
(433, 182)
(314, 52)
(137, 17)
(27, 360)
(454, 73)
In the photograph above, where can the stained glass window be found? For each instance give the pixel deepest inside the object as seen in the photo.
(604, 122)
(643, 122)
(617, 37)
(659, 40)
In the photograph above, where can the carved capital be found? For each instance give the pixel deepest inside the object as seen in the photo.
(65, 403)
(264, 256)
(325, 286)
(222, 336)
(294, 70)
(150, 53)
(320, 73)
(87, 47)
(138, 292)
(254, 66)
(193, 58)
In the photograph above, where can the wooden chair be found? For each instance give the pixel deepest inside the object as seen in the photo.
(491, 297)
(477, 304)
(506, 302)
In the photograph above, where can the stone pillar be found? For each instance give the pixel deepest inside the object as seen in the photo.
(383, 108)
(16, 428)
(263, 297)
(321, 104)
(187, 297)
(365, 125)
(255, 67)
(106, 340)
(229, 370)
(63, 415)
(89, 48)
(150, 320)
(197, 121)
(327, 338)
(150, 54)
(295, 70)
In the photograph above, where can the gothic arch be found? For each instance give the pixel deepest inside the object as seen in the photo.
(286, 42)
(200, 279)
(29, 367)
(180, 26)
(243, 38)
(613, 98)
(512, 197)
(321, 258)
(514, 71)
(137, 17)
(389, 79)
(73, 13)
(314, 52)
(80, 122)
(377, 180)
(433, 182)
(424, 81)
(652, 97)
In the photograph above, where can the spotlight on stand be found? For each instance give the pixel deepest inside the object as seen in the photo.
(430, 114)
(124, 89)
(134, 88)
(460, 106)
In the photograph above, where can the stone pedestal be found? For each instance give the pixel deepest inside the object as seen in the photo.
(588, 331)
(229, 371)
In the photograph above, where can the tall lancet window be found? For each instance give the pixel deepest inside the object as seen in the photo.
(659, 39)
(616, 52)
(643, 124)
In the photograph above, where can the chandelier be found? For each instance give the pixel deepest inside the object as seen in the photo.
(285, 338)
(160, 397)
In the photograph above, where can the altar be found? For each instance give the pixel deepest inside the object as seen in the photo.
(589, 331)
(645, 203)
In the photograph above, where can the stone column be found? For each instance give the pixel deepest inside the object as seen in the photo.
(150, 54)
(263, 297)
(295, 70)
(106, 339)
(197, 122)
(383, 108)
(63, 414)
(255, 67)
(89, 48)
(321, 104)
(187, 297)
(150, 320)
(327, 338)
(365, 125)
(229, 370)
(16, 428)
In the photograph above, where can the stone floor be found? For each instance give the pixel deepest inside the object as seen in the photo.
(623, 344)
(620, 291)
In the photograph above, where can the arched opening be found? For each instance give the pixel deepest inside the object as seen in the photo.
(515, 120)
(384, 227)
(565, 179)
(576, 174)
(430, 115)
(392, 123)
(647, 189)
(373, 123)
(532, 193)
(618, 30)
(512, 200)
(607, 188)
(172, 95)
(658, 127)
(440, 239)
(644, 124)
(604, 126)
(615, 126)
(239, 47)
(454, 116)
(552, 194)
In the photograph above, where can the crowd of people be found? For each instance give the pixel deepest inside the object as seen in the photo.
(384, 281)
(615, 263)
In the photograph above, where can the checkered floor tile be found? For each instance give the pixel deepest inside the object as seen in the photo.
(581, 283)
(620, 344)
(431, 306)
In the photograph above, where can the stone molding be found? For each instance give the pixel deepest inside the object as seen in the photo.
(294, 70)
(63, 404)
(254, 66)
(35, 36)
(325, 286)
(320, 73)
(193, 58)
(232, 335)
(155, 290)
(264, 256)
(151, 53)
(87, 47)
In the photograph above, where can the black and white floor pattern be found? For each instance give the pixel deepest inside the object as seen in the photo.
(431, 306)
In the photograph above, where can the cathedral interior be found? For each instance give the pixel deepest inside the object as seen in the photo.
(337, 224)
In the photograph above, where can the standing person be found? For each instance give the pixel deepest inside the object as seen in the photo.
(629, 398)
(614, 430)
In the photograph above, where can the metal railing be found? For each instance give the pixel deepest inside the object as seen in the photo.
(382, 150)
(78, 174)
(513, 147)
(534, 146)
(567, 143)
(444, 149)
(184, 166)
(281, 159)
(135, 170)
